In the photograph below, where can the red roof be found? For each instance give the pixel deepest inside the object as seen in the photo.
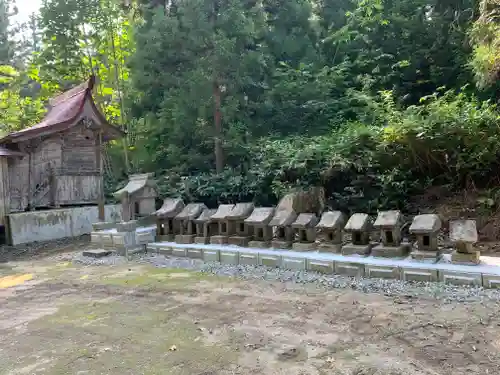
(64, 110)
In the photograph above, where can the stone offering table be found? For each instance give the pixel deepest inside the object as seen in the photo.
(330, 231)
(282, 230)
(259, 222)
(166, 228)
(185, 222)
(426, 228)
(463, 235)
(222, 235)
(240, 232)
(304, 232)
(389, 223)
(359, 226)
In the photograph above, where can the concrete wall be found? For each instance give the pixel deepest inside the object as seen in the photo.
(48, 225)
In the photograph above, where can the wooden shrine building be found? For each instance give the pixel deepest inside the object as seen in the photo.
(58, 161)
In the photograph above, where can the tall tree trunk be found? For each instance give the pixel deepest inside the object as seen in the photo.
(219, 155)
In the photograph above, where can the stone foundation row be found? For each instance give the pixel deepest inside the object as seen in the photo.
(486, 275)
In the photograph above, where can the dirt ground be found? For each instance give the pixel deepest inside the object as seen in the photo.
(61, 318)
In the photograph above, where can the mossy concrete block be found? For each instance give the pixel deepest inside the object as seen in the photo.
(352, 269)
(211, 255)
(238, 241)
(293, 263)
(202, 240)
(219, 240)
(281, 244)
(194, 253)
(304, 246)
(460, 278)
(107, 241)
(389, 251)
(164, 238)
(329, 248)
(491, 281)
(179, 252)
(419, 274)
(382, 272)
(351, 249)
(269, 260)
(143, 238)
(259, 244)
(249, 259)
(321, 266)
(229, 257)
(165, 250)
(184, 238)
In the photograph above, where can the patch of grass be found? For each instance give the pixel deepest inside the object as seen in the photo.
(128, 337)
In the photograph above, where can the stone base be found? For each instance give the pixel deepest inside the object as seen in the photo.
(259, 244)
(351, 249)
(277, 244)
(96, 253)
(424, 255)
(330, 247)
(390, 251)
(465, 258)
(219, 240)
(184, 238)
(133, 250)
(202, 240)
(238, 241)
(164, 238)
(304, 246)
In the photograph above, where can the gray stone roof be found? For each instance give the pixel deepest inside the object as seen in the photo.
(463, 231)
(240, 211)
(136, 183)
(427, 223)
(332, 220)
(205, 216)
(305, 221)
(223, 211)
(170, 208)
(191, 211)
(283, 218)
(260, 216)
(358, 222)
(388, 219)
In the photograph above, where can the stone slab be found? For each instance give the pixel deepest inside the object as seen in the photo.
(351, 249)
(194, 253)
(179, 252)
(249, 259)
(164, 238)
(321, 266)
(389, 251)
(463, 231)
(303, 246)
(419, 274)
(210, 255)
(491, 281)
(281, 244)
(352, 269)
(424, 255)
(293, 263)
(219, 240)
(460, 278)
(238, 241)
(144, 238)
(96, 253)
(466, 258)
(107, 241)
(425, 224)
(184, 238)
(103, 225)
(329, 248)
(259, 244)
(382, 272)
(95, 237)
(269, 260)
(229, 257)
(202, 240)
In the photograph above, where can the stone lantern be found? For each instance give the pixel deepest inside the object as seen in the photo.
(283, 234)
(330, 231)
(185, 222)
(304, 232)
(389, 224)
(426, 228)
(240, 232)
(262, 231)
(166, 227)
(206, 227)
(463, 235)
(223, 231)
(138, 197)
(359, 226)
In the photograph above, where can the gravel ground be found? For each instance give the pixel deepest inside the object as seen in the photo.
(396, 288)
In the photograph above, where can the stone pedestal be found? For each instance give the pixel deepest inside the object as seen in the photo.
(281, 244)
(390, 251)
(304, 246)
(466, 258)
(238, 241)
(329, 247)
(352, 249)
(185, 238)
(103, 225)
(125, 240)
(259, 244)
(424, 255)
(219, 240)
(202, 240)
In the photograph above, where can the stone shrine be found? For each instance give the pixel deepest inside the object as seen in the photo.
(330, 231)
(389, 223)
(463, 235)
(304, 228)
(359, 226)
(426, 228)
(222, 235)
(262, 232)
(240, 233)
(166, 228)
(206, 227)
(138, 197)
(283, 234)
(184, 221)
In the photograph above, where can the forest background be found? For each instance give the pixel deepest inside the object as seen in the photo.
(377, 101)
